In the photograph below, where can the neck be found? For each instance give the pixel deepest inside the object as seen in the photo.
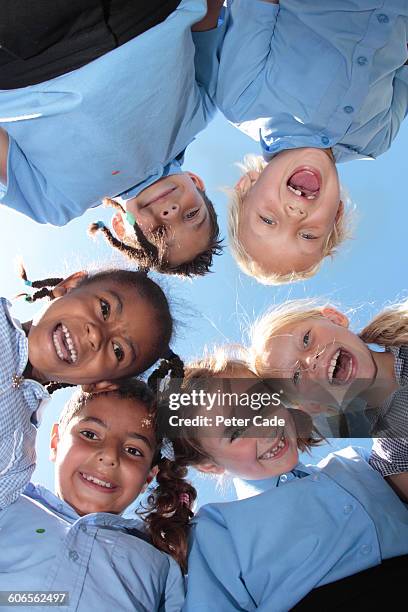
(30, 371)
(384, 383)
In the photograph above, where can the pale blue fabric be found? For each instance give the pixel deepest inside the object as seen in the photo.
(268, 551)
(316, 74)
(115, 125)
(93, 557)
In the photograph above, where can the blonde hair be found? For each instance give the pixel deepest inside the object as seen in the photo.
(341, 231)
(226, 360)
(388, 328)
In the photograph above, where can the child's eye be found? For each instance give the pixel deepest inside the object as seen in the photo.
(237, 433)
(296, 377)
(307, 236)
(91, 435)
(192, 214)
(105, 309)
(267, 220)
(306, 339)
(117, 349)
(134, 451)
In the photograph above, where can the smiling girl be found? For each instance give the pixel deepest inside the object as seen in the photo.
(296, 528)
(321, 364)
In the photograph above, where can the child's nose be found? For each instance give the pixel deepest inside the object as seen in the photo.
(108, 458)
(168, 212)
(295, 211)
(94, 336)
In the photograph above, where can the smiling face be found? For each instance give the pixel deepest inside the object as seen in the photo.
(173, 209)
(319, 361)
(99, 331)
(290, 210)
(103, 458)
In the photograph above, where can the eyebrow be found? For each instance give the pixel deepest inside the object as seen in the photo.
(132, 434)
(118, 312)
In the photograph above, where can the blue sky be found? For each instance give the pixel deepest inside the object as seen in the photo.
(368, 272)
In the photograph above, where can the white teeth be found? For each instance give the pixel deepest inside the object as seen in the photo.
(310, 197)
(295, 191)
(70, 344)
(332, 365)
(97, 481)
(275, 450)
(57, 346)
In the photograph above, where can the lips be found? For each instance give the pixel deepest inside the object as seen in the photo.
(101, 484)
(305, 182)
(278, 448)
(160, 196)
(341, 367)
(65, 347)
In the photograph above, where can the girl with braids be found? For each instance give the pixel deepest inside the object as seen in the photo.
(106, 452)
(96, 330)
(113, 123)
(300, 536)
(322, 364)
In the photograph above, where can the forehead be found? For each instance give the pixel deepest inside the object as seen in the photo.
(119, 415)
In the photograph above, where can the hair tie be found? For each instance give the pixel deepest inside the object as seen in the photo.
(167, 450)
(184, 499)
(28, 282)
(100, 224)
(130, 218)
(169, 355)
(28, 298)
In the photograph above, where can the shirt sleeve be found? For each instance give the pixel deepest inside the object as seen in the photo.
(28, 191)
(389, 456)
(174, 594)
(214, 573)
(206, 60)
(245, 51)
(399, 105)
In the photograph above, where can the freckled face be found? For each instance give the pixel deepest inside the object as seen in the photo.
(174, 209)
(103, 458)
(319, 361)
(99, 331)
(289, 213)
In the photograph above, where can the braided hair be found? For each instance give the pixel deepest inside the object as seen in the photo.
(151, 255)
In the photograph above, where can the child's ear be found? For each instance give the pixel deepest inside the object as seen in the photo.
(54, 440)
(197, 180)
(118, 225)
(69, 283)
(210, 468)
(336, 317)
(247, 181)
(103, 385)
(152, 474)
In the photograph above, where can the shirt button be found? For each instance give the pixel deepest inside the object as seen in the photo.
(362, 60)
(283, 478)
(325, 140)
(365, 549)
(73, 555)
(382, 18)
(348, 109)
(83, 527)
(347, 509)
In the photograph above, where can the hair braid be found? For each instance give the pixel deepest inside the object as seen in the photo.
(173, 366)
(168, 515)
(44, 285)
(54, 386)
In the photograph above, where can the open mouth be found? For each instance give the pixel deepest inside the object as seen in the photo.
(97, 482)
(305, 183)
(64, 344)
(340, 369)
(278, 448)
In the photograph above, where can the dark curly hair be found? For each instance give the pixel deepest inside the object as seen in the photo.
(151, 255)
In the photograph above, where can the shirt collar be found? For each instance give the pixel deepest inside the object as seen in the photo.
(245, 488)
(174, 167)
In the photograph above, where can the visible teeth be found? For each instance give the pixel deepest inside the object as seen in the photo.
(97, 481)
(70, 344)
(296, 191)
(275, 450)
(310, 197)
(332, 365)
(57, 346)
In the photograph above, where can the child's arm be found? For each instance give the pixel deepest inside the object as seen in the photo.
(389, 456)
(214, 573)
(4, 145)
(211, 18)
(245, 53)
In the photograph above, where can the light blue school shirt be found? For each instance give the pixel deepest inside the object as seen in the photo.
(115, 125)
(268, 551)
(316, 74)
(93, 557)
